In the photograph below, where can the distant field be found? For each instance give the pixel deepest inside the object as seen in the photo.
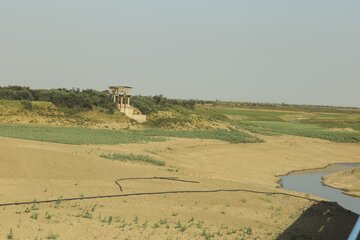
(208, 121)
(100, 136)
(306, 130)
(248, 114)
(336, 127)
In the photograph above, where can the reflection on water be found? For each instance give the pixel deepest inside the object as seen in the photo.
(309, 181)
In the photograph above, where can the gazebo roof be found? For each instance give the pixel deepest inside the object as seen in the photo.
(120, 87)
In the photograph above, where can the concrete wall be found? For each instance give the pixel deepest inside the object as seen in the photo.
(129, 112)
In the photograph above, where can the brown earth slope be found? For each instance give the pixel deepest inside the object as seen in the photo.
(46, 113)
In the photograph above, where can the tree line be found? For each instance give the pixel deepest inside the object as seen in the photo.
(70, 98)
(87, 99)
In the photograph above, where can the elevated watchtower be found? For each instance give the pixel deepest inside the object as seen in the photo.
(122, 96)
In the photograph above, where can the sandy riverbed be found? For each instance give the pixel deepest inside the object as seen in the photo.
(38, 171)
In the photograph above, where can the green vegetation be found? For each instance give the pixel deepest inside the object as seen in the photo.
(246, 114)
(227, 121)
(133, 158)
(148, 105)
(34, 215)
(231, 136)
(100, 136)
(10, 235)
(38, 112)
(48, 216)
(52, 236)
(74, 135)
(307, 130)
(337, 125)
(73, 98)
(27, 105)
(85, 214)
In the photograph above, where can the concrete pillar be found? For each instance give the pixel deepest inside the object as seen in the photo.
(120, 101)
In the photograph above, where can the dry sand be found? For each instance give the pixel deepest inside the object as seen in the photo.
(348, 180)
(39, 171)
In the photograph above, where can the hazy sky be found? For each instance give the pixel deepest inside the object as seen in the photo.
(305, 51)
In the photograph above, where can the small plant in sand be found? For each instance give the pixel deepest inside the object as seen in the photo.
(10, 235)
(35, 215)
(123, 224)
(247, 230)
(133, 158)
(144, 225)
(94, 208)
(34, 207)
(85, 214)
(156, 225)
(48, 216)
(52, 236)
(76, 204)
(180, 227)
(207, 235)
(219, 233)
(199, 224)
(163, 221)
(107, 220)
(58, 201)
(231, 231)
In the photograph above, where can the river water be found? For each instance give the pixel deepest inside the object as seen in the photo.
(309, 181)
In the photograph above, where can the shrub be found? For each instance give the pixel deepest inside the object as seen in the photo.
(27, 105)
(133, 157)
(73, 98)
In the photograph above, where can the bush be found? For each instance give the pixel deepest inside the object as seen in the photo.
(148, 105)
(111, 109)
(74, 98)
(27, 105)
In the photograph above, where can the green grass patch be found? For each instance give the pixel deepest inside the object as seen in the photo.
(133, 158)
(248, 114)
(231, 136)
(79, 135)
(307, 130)
(258, 129)
(74, 135)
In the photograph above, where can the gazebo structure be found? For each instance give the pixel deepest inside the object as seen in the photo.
(122, 96)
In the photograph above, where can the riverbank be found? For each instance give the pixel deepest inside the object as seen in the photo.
(348, 181)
